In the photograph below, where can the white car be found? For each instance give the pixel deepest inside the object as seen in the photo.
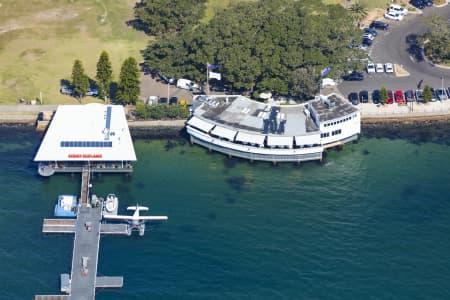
(379, 68)
(398, 9)
(389, 68)
(368, 36)
(370, 68)
(393, 16)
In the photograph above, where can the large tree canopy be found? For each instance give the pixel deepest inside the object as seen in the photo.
(263, 45)
(162, 16)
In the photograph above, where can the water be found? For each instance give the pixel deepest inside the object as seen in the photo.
(371, 222)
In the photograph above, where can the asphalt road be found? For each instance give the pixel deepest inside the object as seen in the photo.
(398, 45)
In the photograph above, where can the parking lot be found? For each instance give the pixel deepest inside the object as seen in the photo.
(398, 45)
(152, 87)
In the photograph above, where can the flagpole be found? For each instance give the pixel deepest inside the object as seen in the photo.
(207, 81)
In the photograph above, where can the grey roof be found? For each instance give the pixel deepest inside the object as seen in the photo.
(340, 107)
(242, 113)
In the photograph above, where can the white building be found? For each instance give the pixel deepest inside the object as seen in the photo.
(241, 127)
(93, 136)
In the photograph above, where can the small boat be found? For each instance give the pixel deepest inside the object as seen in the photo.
(111, 205)
(66, 206)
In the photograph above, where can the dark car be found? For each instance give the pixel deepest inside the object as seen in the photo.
(409, 96)
(367, 42)
(354, 76)
(166, 79)
(217, 88)
(441, 94)
(417, 4)
(163, 100)
(448, 91)
(66, 90)
(371, 31)
(433, 95)
(419, 95)
(364, 96)
(379, 25)
(353, 98)
(376, 96)
(173, 100)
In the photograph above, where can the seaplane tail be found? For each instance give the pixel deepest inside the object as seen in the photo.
(137, 207)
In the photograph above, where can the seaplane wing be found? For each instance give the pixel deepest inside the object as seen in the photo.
(153, 218)
(137, 208)
(134, 218)
(118, 217)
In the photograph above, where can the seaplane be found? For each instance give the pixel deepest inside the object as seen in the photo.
(135, 221)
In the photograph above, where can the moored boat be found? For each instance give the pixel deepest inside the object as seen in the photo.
(66, 206)
(111, 205)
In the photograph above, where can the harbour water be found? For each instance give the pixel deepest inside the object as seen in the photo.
(370, 222)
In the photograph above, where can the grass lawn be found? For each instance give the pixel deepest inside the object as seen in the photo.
(40, 39)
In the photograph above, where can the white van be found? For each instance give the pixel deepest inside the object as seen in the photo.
(398, 9)
(187, 84)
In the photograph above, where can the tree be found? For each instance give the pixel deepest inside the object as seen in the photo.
(104, 75)
(438, 36)
(128, 88)
(358, 12)
(383, 95)
(427, 95)
(304, 83)
(161, 16)
(80, 81)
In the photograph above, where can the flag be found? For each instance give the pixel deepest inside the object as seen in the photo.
(215, 75)
(325, 71)
(213, 67)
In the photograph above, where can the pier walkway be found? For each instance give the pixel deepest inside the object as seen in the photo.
(87, 228)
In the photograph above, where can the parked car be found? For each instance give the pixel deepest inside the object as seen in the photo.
(354, 76)
(66, 90)
(373, 32)
(152, 100)
(390, 99)
(376, 96)
(409, 96)
(173, 100)
(187, 85)
(399, 96)
(393, 16)
(371, 68)
(367, 42)
(419, 95)
(353, 98)
(166, 79)
(368, 36)
(163, 100)
(433, 94)
(218, 88)
(417, 4)
(364, 96)
(448, 91)
(441, 94)
(389, 68)
(398, 9)
(379, 25)
(363, 47)
(92, 92)
(379, 68)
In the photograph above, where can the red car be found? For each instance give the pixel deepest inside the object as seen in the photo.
(390, 99)
(399, 96)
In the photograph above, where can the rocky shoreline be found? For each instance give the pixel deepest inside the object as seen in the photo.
(423, 129)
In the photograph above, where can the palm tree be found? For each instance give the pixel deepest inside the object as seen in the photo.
(358, 12)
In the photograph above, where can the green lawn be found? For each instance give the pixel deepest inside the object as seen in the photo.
(40, 39)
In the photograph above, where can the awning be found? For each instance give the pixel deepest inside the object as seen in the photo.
(250, 138)
(310, 139)
(282, 141)
(224, 132)
(200, 124)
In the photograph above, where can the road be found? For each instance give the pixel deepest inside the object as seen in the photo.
(398, 45)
